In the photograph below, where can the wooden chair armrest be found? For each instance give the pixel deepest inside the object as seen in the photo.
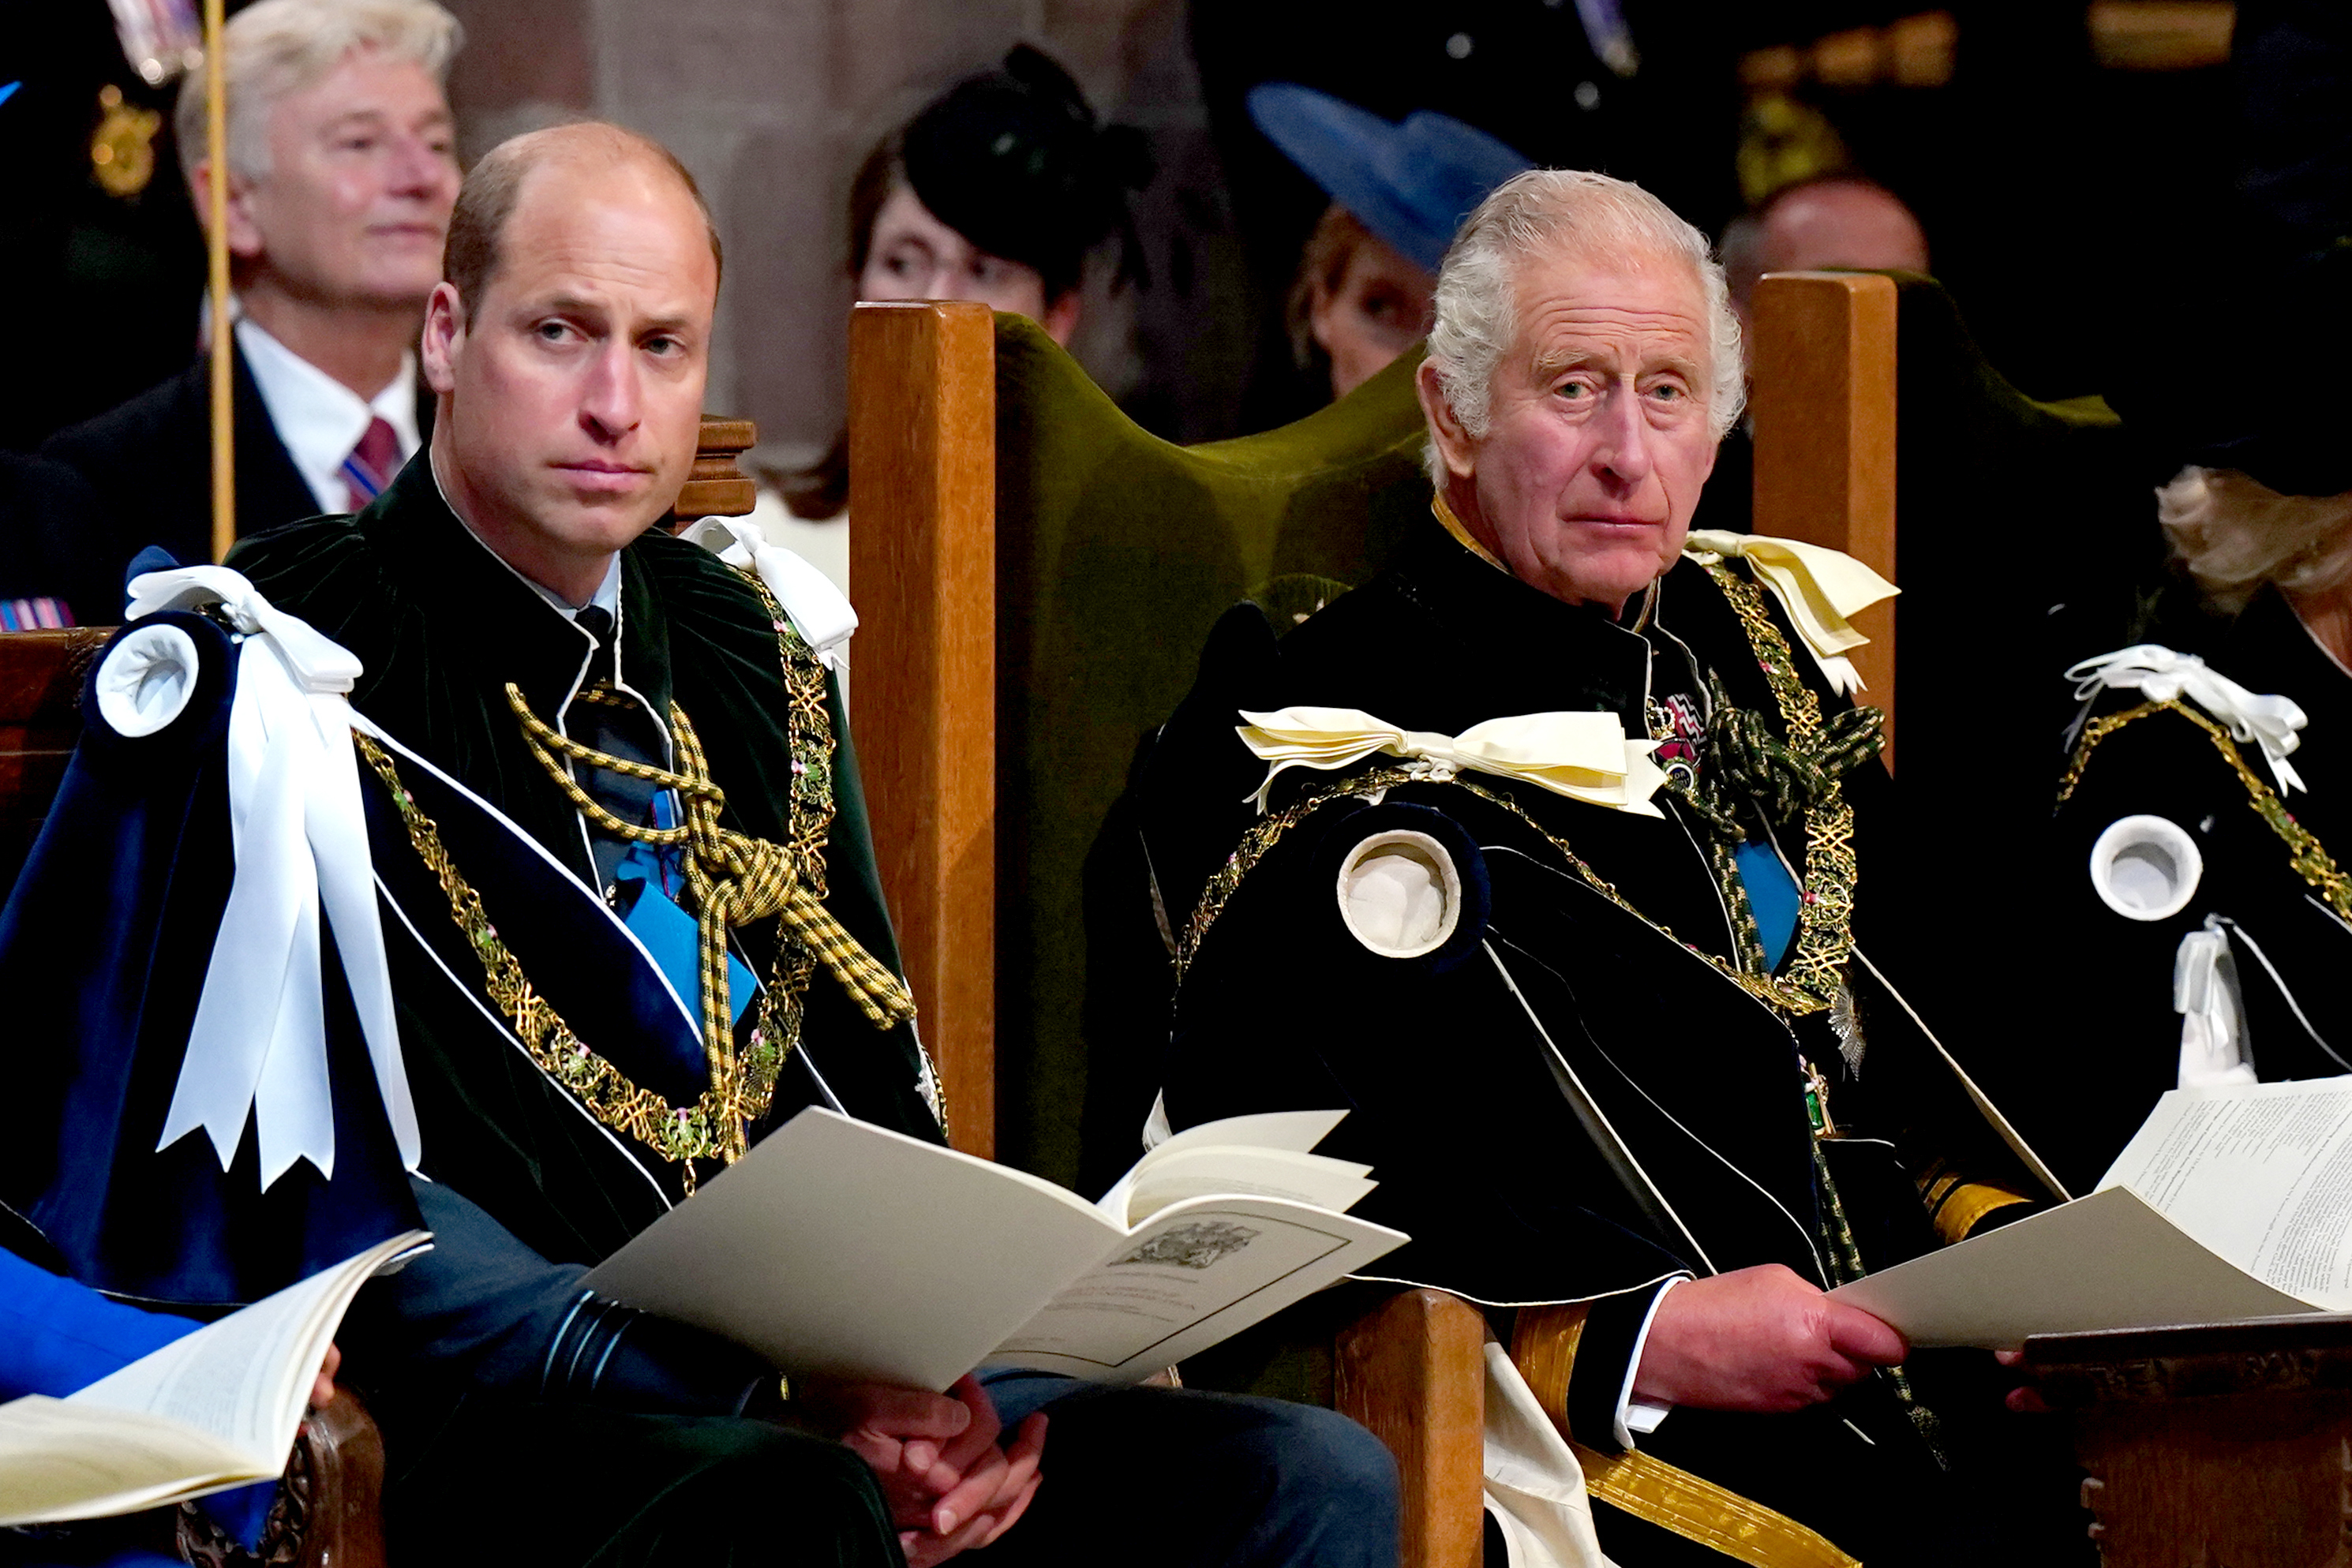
(329, 1510)
(1414, 1369)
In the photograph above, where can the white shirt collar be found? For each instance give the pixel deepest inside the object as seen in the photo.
(319, 418)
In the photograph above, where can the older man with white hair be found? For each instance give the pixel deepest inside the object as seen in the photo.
(1550, 880)
(342, 171)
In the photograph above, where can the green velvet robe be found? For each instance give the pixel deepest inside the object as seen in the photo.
(442, 625)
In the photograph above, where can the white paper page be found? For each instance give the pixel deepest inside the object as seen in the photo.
(61, 1461)
(2107, 1261)
(1223, 1170)
(246, 1379)
(1297, 1131)
(2260, 1173)
(836, 1247)
(1197, 1273)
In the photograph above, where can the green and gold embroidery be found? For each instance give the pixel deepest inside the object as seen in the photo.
(733, 880)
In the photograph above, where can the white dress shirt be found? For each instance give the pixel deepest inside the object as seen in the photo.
(319, 418)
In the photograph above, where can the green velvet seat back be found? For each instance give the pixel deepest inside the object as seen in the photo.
(1116, 553)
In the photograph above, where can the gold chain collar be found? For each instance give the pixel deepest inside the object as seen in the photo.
(1815, 977)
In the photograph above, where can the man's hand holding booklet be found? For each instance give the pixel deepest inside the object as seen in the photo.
(2231, 1202)
(836, 1248)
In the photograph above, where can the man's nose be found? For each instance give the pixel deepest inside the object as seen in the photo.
(613, 402)
(421, 170)
(1624, 450)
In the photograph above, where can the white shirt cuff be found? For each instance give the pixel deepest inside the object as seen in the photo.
(1640, 1415)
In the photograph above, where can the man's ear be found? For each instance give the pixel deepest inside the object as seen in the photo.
(1453, 443)
(444, 340)
(245, 241)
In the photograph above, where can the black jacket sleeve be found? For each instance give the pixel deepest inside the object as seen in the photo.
(481, 1312)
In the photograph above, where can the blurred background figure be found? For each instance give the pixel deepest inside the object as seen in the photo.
(1835, 221)
(343, 170)
(1001, 191)
(1398, 193)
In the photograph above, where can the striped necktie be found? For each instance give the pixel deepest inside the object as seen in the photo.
(372, 464)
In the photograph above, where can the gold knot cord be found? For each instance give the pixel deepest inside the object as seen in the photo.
(734, 878)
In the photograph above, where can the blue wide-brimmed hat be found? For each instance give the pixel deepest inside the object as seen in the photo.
(1411, 184)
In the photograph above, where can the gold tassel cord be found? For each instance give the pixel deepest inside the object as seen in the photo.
(734, 878)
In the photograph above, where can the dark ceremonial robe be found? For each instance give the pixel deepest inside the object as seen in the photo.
(150, 465)
(487, 1365)
(104, 946)
(2106, 1002)
(1566, 1102)
(442, 626)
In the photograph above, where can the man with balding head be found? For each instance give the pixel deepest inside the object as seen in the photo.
(538, 646)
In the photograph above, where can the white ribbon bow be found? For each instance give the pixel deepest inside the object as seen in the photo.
(300, 835)
(1584, 756)
(1819, 587)
(819, 612)
(2160, 674)
(2212, 1015)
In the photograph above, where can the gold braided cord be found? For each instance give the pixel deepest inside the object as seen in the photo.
(713, 1127)
(735, 879)
(2305, 853)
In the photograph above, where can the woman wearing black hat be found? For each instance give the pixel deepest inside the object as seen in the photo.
(999, 191)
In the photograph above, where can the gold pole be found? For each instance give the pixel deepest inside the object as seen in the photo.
(223, 351)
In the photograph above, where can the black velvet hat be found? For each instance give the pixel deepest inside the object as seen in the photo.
(1013, 160)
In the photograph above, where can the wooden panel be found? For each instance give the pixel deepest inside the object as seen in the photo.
(1824, 408)
(2211, 1444)
(922, 465)
(1414, 1369)
(41, 676)
(715, 487)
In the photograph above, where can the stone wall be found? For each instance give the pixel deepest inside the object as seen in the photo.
(771, 103)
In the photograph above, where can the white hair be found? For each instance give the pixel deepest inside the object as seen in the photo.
(2233, 534)
(1549, 211)
(274, 48)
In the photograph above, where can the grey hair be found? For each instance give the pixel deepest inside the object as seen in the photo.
(274, 48)
(1552, 210)
(2233, 534)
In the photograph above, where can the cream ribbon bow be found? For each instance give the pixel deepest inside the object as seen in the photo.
(818, 610)
(299, 837)
(1819, 587)
(2160, 674)
(1583, 755)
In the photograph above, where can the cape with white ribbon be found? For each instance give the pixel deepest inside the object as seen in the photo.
(2161, 674)
(299, 832)
(1819, 587)
(819, 612)
(1583, 755)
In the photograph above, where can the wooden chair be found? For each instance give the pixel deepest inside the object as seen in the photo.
(995, 728)
(2211, 1443)
(331, 1510)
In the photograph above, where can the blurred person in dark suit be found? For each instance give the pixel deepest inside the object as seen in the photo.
(343, 169)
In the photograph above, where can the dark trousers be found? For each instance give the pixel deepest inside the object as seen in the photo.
(1163, 1477)
(1143, 1477)
(507, 1484)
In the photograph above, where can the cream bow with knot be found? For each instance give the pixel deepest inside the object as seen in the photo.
(1819, 587)
(1583, 755)
(2160, 674)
